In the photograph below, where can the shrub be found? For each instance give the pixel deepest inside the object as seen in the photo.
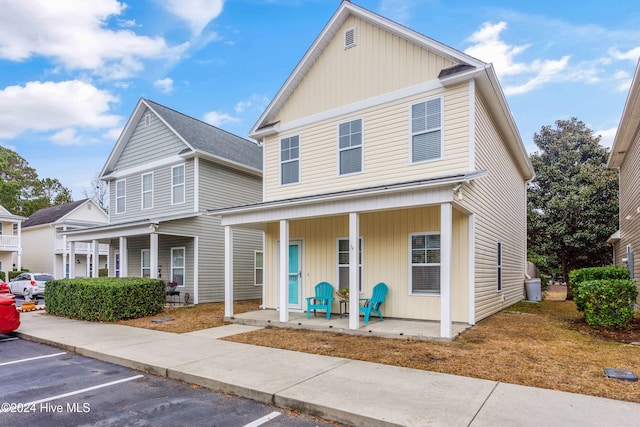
(15, 273)
(608, 303)
(105, 298)
(577, 277)
(103, 272)
(3, 276)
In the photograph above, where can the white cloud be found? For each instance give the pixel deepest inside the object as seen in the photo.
(196, 13)
(113, 134)
(607, 136)
(259, 102)
(74, 34)
(216, 118)
(489, 47)
(66, 137)
(47, 106)
(165, 85)
(631, 54)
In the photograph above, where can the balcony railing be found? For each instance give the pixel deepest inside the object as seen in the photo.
(9, 242)
(82, 247)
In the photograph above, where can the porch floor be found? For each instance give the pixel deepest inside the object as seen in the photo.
(389, 328)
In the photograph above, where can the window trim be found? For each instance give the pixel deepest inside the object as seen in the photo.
(411, 264)
(412, 134)
(340, 150)
(184, 267)
(122, 196)
(142, 191)
(281, 162)
(142, 267)
(183, 185)
(361, 263)
(500, 265)
(255, 267)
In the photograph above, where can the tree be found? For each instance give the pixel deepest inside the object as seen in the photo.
(99, 192)
(572, 201)
(21, 191)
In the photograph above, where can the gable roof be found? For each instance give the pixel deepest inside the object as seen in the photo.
(200, 138)
(629, 124)
(6, 215)
(466, 68)
(54, 213)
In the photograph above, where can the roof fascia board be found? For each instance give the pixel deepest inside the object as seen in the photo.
(124, 136)
(221, 160)
(628, 127)
(122, 173)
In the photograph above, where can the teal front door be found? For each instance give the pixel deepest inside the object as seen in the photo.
(295, 274)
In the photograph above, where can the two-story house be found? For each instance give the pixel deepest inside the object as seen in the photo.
(45, 249)
(164, 172)
(390, 157)
(10, 241)
(625, 156)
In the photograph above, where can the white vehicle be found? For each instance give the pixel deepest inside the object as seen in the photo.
(30, 283)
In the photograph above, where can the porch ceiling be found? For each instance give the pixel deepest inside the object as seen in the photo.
(431, 191)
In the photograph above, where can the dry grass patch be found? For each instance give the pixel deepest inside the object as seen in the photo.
(543, 345)
(191, 318)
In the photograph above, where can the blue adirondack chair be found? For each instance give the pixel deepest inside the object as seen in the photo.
(322, 300)
(372, 305)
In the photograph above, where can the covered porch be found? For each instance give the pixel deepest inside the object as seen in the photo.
(413, 236)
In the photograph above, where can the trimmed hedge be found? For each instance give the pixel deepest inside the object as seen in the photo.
(577, 277)
(15, 273)
(3, 276)
(105, 298)
(608, 303)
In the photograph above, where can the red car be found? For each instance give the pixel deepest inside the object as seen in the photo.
(4, 287)
(9, 316)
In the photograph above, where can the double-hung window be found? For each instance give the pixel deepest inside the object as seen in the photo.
(343, 263)
(350, 147)
(147, 190)
(121, 195)
(258, 268)
(290, 160)
(426, 130)
(177, 184)
(145, 262)
(424, 255)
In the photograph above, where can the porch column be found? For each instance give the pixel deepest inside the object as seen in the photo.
(72, 260)
(196, 269)
(283, 280)
(228, 271)
(153, 254)
(19, 246)
(354, 276)
(88, 261)
(446, 226)
(124, 265)
(95, 246)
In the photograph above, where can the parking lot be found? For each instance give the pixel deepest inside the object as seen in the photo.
(42, 385)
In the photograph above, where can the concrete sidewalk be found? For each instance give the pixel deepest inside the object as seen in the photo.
(344, 390)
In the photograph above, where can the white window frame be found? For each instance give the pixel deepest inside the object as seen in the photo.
(500, 249)
(290, 160)
(440, 128)
(149, 191)
(175, 186)
(142, 266)
(256, 268)
(360, 263)
(122, 197)
(351, 147)
(426, 264)
(184, 266)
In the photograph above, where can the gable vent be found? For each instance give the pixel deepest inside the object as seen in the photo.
(147, 119)
(350, 38)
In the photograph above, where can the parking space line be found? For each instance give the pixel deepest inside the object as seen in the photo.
(32, 358)
(8, 339)
(84, 390)
(263, 420)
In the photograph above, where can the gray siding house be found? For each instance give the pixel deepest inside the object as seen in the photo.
(165, 171)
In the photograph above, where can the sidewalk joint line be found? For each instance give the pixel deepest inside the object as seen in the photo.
(483, 403)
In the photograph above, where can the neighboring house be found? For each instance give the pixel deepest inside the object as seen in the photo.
(10, 241)
(165, 171)
(46, 250)
(390, 157)
(625, 156)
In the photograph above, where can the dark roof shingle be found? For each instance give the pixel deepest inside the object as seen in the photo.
(52, 214)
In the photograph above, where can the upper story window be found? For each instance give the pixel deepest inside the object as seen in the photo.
(177, 184)
(424, 263)
(147, 190)
(290, 160)
(426, 130)
(350, 147)
(121, 195)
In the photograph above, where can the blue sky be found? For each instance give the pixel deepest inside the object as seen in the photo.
(71, 71)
